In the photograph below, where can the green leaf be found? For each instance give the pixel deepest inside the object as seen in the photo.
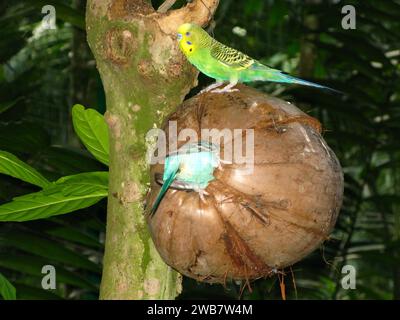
(92, 129)
(12, 166)
(68, 194)
(7, 290)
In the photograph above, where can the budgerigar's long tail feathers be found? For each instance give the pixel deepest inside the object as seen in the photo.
(162, 192)
(264, 73)
(291, 79)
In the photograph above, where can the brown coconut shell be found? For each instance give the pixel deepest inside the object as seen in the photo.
(250, 225)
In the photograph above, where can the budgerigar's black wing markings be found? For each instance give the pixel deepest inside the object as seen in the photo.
(230, 57)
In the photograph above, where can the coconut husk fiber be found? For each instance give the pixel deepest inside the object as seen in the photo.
(250, 225)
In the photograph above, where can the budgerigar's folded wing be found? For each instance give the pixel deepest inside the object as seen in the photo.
(196, 147)
(231, 57)
(176, 184)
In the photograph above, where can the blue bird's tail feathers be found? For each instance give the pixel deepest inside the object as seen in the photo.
(162, 192)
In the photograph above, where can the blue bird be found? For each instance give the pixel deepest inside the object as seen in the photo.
(190, 168)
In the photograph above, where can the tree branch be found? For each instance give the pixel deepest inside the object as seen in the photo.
(167, 4)
(199, 12)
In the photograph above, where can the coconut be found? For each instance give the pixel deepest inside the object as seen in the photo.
(253, 220)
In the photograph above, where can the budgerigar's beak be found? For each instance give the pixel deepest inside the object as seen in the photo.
(179, 36)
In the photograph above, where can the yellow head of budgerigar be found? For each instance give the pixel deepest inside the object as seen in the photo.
(187, 35)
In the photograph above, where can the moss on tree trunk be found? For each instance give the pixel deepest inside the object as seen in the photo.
(145, 77)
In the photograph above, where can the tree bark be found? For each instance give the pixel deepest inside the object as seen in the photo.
(145, 77)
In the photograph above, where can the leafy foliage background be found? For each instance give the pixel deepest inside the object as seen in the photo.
(43, 73)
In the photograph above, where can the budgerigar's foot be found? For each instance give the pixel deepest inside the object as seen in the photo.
(211, 87)
(225, 161)
(203, 193)
(223, 90)
(226, 89)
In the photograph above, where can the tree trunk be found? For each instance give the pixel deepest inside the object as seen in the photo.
(145, 77)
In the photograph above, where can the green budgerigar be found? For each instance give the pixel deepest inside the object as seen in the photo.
(191, 168)
(227, 64)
